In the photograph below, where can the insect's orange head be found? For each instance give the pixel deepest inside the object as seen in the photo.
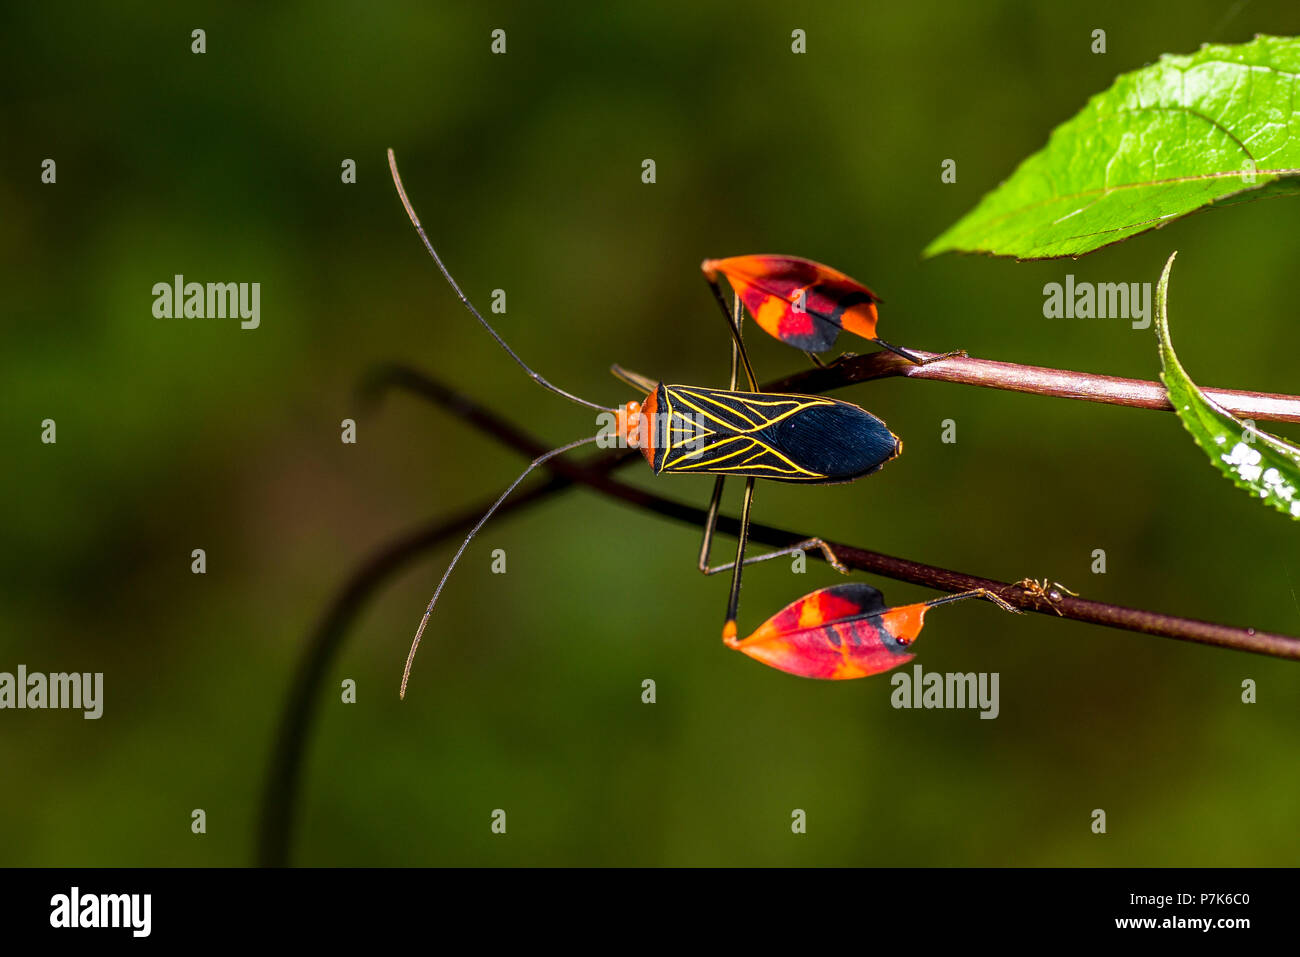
(629, 423)
(635, 425)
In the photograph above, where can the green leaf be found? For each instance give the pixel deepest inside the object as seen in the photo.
(1183, 133)
(1263, 464)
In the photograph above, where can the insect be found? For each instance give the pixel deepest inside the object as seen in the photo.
(803, 303)
(751, 434)
(1045, 592)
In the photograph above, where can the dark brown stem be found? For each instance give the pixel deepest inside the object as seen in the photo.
(1079, 609)
(325, 641)
(284, 774)
(1036, 380)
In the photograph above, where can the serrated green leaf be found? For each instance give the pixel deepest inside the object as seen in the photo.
(1261, 463)
(1183, 133)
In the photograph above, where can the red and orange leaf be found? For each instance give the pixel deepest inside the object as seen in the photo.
(800, 302)
(844, 631)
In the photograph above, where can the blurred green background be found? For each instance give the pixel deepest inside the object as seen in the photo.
(175, 435)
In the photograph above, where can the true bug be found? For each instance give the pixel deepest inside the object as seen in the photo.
(781, 437)
(802, 303)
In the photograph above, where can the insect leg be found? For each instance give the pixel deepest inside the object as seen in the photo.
(711, 521)
(917, 360)
(975, 593)
(1046, 591)
(738, 346)
(710, 525)
(733, 602)
(831, 558)
(734, 326)
(816, 360)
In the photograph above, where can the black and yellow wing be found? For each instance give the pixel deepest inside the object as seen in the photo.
(785, 438)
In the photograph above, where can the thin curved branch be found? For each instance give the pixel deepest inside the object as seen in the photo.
(284, 773)
(1035, 380)
(943, 579)
(285, 769)
(280, 793)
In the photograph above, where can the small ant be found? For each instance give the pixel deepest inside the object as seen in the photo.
(1045, 591)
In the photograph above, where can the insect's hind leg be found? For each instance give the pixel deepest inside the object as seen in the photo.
(742, 538)
(711, 524)
(808, 543)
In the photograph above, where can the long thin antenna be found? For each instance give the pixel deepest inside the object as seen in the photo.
(406, 673)
(415, 221)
